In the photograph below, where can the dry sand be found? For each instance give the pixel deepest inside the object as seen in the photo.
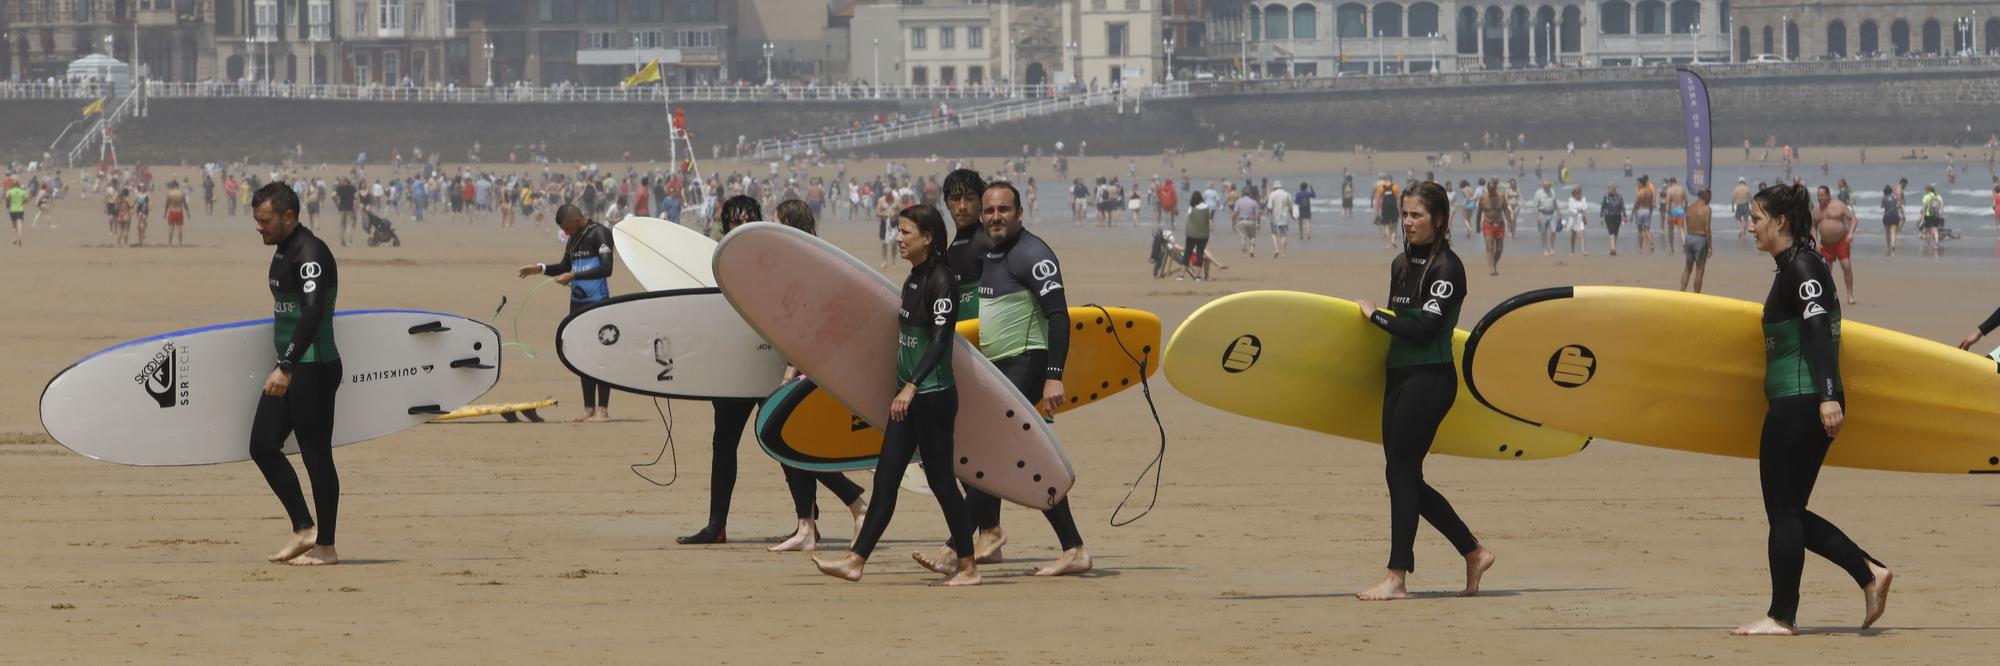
(532, 543)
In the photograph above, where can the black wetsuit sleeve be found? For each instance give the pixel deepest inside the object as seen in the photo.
(942, 296)
(562, 266)
(1442, 292)
(597, 241)
(1044, 275)
(316, 261)
(1990, 323)
(1819, 328)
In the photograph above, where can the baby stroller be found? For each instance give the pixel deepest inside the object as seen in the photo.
(380, 231)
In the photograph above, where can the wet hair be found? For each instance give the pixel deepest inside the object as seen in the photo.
(930, 223)
(963, 182)
(797, 215)
(279, 195)
(1432, 197)
(1792, 204)
(737, 210)
(1004, 185)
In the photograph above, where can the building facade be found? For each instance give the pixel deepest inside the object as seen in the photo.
(596, 42)
(1798, 30)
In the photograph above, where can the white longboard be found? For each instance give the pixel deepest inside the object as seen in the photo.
(663, 255)
(683, 343)
(188, 397)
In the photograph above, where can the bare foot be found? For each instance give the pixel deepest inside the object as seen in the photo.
(302, 541)
(860, 510)
(845, 566)
(967, 574)
(603, 416)
(585, 416)
(1391, 587)
(1476, 565)
(944, 561)
(1765, 627)
(805, 539)
(1070, 562)
(986, 545)
(1877, 594)
(318, 556)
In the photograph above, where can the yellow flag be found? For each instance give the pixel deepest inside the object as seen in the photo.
(648, 74)
(93, 108)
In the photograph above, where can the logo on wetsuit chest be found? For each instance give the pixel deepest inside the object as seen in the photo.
(164, 377)
(1242, 353)
(1572, 366)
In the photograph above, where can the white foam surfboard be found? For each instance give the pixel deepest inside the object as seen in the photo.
(188, 397)
(663, 255)
(683, 343)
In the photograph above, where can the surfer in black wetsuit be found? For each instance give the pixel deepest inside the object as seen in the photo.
(298, 395)
(732, 414)
(965, 256)
(1985, 327)
(1024, 328)
(1426, 290)
(797, 215)
(922, 415)
(586, 269)
(1806, 408)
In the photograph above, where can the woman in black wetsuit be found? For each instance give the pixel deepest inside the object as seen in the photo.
(731, 415)
(1805, 412)
(1426, 289)
(922, 415)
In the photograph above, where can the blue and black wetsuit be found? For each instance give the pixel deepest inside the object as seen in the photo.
(587, 257)
(304, 281)
(1426, 291)
(1801, 371)
(927, 332)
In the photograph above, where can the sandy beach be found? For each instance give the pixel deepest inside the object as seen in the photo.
(534, 543)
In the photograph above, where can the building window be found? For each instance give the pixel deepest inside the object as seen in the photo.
(1616, 17)
(920, 76)
(1114, 38)
(947, 37)
(265, 13)
(975, 75)
(450, 18)
(603, 11)
(917, 39)
(948, 76)
(599, 39)
(1652, 19)
(649, 39)
(559, 11)
(697, 39)
(1132, 5)
(319, 13)
(360, 18)
(975, 37)
(417, 17)
(389, 20)
(391, 66)
(649, 10)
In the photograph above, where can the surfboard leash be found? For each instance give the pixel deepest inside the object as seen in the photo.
(666, 419)
(1158, 465)
(515, 326)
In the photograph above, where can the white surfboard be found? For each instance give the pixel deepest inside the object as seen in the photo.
(684, 343)
(663, 255)
(188, 397)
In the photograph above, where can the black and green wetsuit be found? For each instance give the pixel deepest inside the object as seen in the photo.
(966, 256)
(927, 332)
(303, 280)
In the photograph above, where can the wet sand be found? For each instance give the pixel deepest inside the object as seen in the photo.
(493, 542)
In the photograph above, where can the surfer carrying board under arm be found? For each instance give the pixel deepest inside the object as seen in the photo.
(1806, 407)
(1426, 290)
(298, 395)
(586, 269)
(922, 415)
(1024, 329)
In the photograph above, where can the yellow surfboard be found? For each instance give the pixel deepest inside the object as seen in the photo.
(1686, 371)
(806, 428)
(1314, 362)
(512, 411)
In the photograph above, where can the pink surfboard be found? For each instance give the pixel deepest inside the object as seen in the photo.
(835, 319)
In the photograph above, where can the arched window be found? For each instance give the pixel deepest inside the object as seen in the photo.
(1305, 21)
(1791, 41)
(1277, 22)
(1615, 17)
(1768, 43)
(1933, 35)
(1545, 34)
(1652, 19)
(1388, 20)
(1572, 29)
(1256, 23)
(1423, 19)
(1836, 39)
(1518, 26)
(1351, 20)
(1992, 35)
(1743, 44)
(1468, 30)
(1871, 39)
(1899, 37)
(1683, 16)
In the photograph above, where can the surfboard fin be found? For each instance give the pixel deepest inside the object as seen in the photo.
(432, 327)
(470, 363)
(427, 409)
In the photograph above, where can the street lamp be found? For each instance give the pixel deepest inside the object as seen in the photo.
(1785, 40)
(1076, 63)
(1169, 41)
(769, 49)
(1243, 62)
(877, 81)
(1434, 51)
(488, 48)
(1694, 42)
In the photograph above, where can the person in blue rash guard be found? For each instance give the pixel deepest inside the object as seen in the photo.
(586, 269)
(1805, 407)
(922, 415)
(298, 395)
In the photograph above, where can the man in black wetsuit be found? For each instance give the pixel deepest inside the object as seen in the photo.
(586, 269)
(298, 395)
(1024, 329)
(965, 255)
